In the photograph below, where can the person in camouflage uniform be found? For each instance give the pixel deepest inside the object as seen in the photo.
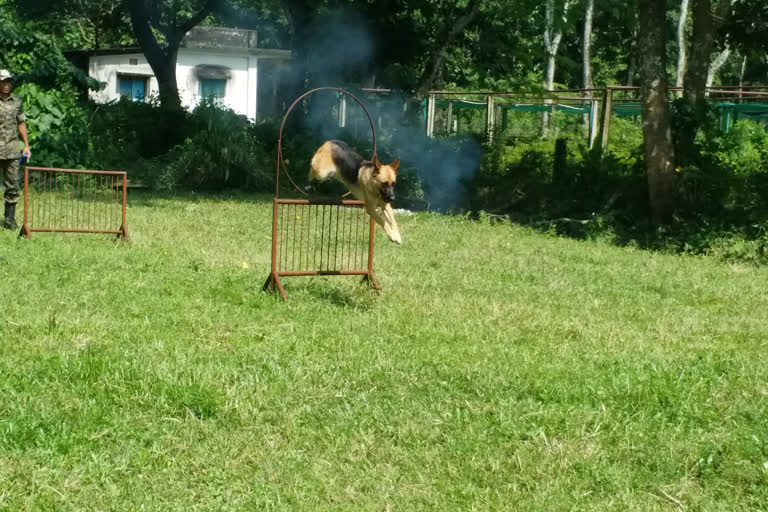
(12, 124)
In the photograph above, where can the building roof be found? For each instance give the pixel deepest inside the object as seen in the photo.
(219, 39)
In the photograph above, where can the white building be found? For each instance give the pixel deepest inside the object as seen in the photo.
(212, 62)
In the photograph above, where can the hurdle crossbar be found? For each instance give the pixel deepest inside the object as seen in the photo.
(320, 238)
(74, 201)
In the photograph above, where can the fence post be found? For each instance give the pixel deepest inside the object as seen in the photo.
(430, 115)
(123, 227)
(489, 117)
(593, 112)
(605, 118)
(343, 111)
(25, 232)
(449, 118)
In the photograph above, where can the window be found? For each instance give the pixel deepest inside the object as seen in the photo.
(212, 87)
(135, 87)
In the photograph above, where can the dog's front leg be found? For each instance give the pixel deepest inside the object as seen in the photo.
(382, 221)
(391, 223)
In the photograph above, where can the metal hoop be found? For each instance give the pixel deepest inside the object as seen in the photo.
(281, 163)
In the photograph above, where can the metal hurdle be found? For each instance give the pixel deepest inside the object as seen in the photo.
(74, 201)
(313, 237)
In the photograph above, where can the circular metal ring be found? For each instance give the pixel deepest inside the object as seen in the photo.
(281, 163)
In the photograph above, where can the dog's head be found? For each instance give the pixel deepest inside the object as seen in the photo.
(386, 177)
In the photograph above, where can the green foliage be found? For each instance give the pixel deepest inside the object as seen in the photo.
(743, 150)
(219, 152)
(79, 24)
(35, 56)
(57, 127)
(626, 139)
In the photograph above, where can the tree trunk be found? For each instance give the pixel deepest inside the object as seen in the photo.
(162, 59)
(587, 52)
(657, 134)
(682, 22)
(741, 78)
(716, 64)
(552, 36)
(702, 40)
(165, 72)
(300, 17)
(632, 67)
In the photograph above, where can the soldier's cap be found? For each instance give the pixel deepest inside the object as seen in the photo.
(5, 74)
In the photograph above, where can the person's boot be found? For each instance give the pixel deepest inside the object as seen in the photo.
(10, 216)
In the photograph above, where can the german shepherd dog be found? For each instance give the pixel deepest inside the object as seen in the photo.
(370, 182)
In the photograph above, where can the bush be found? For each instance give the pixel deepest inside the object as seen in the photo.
(220, 151)
(57, 127)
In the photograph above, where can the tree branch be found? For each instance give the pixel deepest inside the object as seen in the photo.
(195, 20)
(442, 43)
(142, 27)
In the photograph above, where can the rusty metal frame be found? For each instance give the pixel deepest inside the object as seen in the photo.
(277, 271)
(119, 181)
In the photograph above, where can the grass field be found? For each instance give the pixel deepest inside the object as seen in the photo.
(501, 369)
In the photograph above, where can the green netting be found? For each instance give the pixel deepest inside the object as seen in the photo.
(626, 109)
(457, 105)
(728, 111)
(519, 107)
(750, 110)
(568, 109)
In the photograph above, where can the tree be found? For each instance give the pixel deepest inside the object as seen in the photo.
(701, 68)
(681, 24)
(586, 54)
(160, 28)
(434, 62)
(80, 24)
(657, 133)
(553, 33)
(717, 63)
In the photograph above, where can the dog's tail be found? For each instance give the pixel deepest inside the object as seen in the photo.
(323, 166)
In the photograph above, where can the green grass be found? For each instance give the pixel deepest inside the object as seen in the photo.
(501, 369)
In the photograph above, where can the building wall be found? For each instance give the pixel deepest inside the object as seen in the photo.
(241, 87)
(105, 68)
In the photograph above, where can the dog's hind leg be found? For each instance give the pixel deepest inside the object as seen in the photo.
(322, 166)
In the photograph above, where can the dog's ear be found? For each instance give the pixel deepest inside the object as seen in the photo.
(395, 165)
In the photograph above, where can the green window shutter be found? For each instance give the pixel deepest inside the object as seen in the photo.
(212, 88)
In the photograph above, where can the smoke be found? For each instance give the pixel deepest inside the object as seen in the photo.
(341, 54)
(445, 168)
(442, 167)
(339, 47)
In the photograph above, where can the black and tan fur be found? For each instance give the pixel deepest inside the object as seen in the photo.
(370, 182)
